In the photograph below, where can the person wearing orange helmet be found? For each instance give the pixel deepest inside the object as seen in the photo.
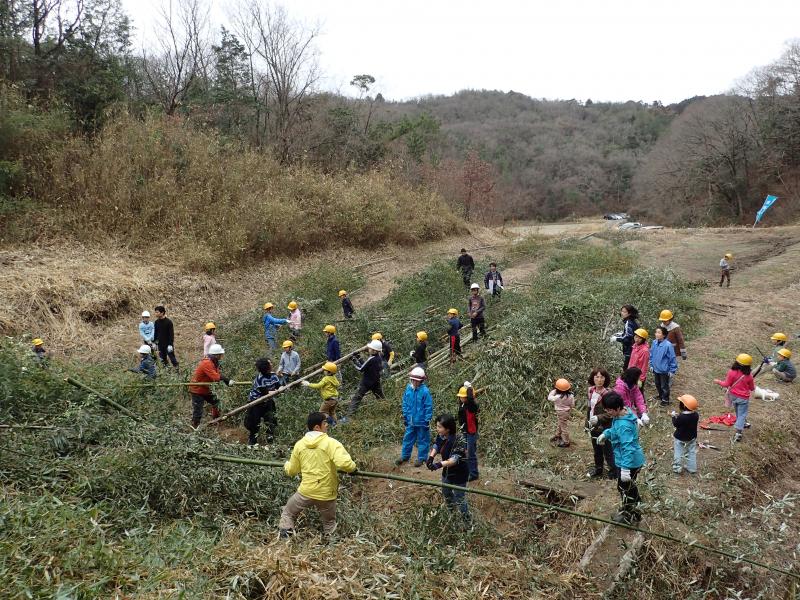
(685, 436)
(564, 401)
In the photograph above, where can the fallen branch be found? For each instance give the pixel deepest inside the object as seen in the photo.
(27, 427)
(103, 399)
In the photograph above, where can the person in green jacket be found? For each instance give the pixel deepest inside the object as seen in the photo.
(328, 388)
(317, 458)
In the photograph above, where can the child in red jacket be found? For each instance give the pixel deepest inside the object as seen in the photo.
(739, 384)
(640, 355)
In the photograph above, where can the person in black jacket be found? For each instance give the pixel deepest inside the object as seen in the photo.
(629, 315)
(420, 352)
(468, 411)
(685, 442)
(164, 337)
(347, 306)
(493, 281)
(370, 370)
(466, 265)
(452, 447)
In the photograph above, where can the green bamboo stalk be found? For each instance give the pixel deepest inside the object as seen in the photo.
(103, 399)
(27, 427)
(182, 384)
(542, 505)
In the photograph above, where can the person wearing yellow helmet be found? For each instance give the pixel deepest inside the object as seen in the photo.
(289, 365)
(674, 332)
(271, 324)
(347, 306)
(295, 320)
(39, 351)
(264, 383)
(564, 401)
(209, 336)
(685, 436)
(454, 333)
(739, 384)
(640, 354)
(784, 370)
(468, 411)
(328, 388)
(420, 352)
(725, 269)
(332, 350)
(387, 354)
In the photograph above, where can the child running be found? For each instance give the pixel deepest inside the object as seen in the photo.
(739, 384)
(328, 388)
(685, 436)
(564, 401)
(452, 447)
(628, 456)
(265, 382)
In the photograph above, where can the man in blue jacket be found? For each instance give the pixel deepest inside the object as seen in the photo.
(417, 415)
(271, 325)
(623, 435)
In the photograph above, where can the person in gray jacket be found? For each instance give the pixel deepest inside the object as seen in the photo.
(476, 305)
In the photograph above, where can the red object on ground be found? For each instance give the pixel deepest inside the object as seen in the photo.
(727, 419)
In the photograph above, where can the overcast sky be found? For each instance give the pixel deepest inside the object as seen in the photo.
(600, 49)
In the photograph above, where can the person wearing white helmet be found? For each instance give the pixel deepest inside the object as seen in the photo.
(417, 415)
(147, 366)
(207, 372)
(476, 305)
(147, 329)
(370, 370)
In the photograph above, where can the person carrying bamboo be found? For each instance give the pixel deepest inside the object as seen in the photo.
(387, 354)
(207, 371)
(370, 370)
(476, 306)
(454, 333)
(452, 447)
(332, 350)
(265, 382)
(316, 458)
(328, 388)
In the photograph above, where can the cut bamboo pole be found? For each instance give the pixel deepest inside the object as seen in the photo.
(103, 399)
(27, 427)
(293, 384)
(181, 384)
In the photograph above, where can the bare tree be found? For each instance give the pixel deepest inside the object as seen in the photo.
(183, 53)
(286, 50)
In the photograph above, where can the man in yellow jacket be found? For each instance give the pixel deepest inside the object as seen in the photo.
(317, 458)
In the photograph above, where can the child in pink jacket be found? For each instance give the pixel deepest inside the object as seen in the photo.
(739, 383)
(564, 401)
(627, 386)
(295, 320)
(640, 354)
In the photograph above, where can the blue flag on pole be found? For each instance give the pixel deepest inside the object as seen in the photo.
(770, 200)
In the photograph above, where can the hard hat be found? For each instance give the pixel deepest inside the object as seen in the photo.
(145, 349)
(377, 335)
(785, 353)
(216, 349)
(462, 392)
(666, 315)
(329, 329)
(146, 313)
(689, 401)
(729, 255)
(562, 385)
(329, 367)
(779, 337)
(642, 333)
(744, 359)
(422, 336)
(210, 325)
(342, 293)
(474, 286)
(269, 305)
(417, 373)
(375, 345)
(292, 305)
(38, 341)
(287, 344)
(453, 311)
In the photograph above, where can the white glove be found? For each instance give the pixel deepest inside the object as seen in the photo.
(625, 475)
(639, 422)
(645, 419)
(613, 339)
(467, 384)
(593, 420)
(601, 439)
(671, 377)
(230, 382)
(673, 414)
(411, 354)
(305, 383)
(170, 349)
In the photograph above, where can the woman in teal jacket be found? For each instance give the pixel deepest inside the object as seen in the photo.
(623, 435)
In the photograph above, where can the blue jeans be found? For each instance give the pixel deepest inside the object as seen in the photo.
(472, 454)
(419, 435)
(456, 498)
(741, 406)
(273, 345)
(684, 450)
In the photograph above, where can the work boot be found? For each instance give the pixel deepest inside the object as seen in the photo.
(613, 474)
(737, 437)
(214, 412)
(400, 461)
(418, 463)
(473, 477)
(595, 473)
